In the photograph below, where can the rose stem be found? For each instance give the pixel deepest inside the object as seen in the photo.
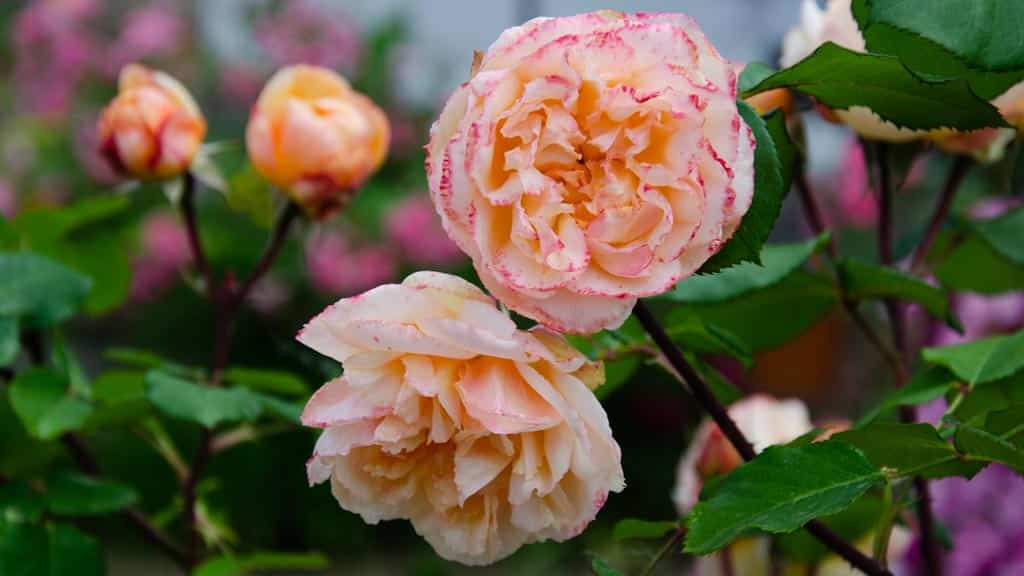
(721, 417)
(956, 175)
(894, 310)
(226, 300)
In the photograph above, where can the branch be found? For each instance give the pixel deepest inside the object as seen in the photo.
(284, 221)
(894, 310)
(721, 417)
(664, 551)
(961, 165)
(188, 212)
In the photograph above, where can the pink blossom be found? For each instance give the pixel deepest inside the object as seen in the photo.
(415, 228)
(336, 267)
(856, 202)
(241, 83)
(151, 31)
(983, 315)
(53, 50)
(163, 251)
(8, 199)
(87, 151)
(304, 33)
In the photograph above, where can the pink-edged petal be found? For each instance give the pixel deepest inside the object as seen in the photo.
(495, 395)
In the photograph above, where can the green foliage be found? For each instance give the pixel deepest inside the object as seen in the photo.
(9, 344)
(261, 562)
(38, 289)
(601, 567)
(863, 281)
(981, 361)
(926, 386)
(201, 404)
(752, 75)
(908, 450)
(1003, 234)
(19, 503)
(984, 33)
(769, 317)
(780, 490)
(773, 162)
(982, 445)
(634, 528)
(840, 78)
(272, 381)
(777, 262)
(41, 399)
(72, 494)
(852, 524)
(48, 550)
(976, 266)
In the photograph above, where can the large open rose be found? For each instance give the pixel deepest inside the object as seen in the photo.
(485, 437)
(592, 160)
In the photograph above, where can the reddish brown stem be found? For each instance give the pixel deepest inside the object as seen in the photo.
(702, 393)
(961, 165)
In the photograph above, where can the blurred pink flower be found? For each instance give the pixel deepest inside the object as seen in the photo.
(993, 207)
(337, 268)
(8, 199)
(856, 201)
(403, 133)
(163, 250)
(269, 295)
(304, 33)
(415, 228)
(983, 315)
(150, 31)
(53, 50)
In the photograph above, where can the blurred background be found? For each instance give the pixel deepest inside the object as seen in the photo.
(59, 60)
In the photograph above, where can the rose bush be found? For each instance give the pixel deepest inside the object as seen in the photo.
(590, 161)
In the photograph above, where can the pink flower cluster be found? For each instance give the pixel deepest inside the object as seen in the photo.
(163, 251)
(337, 267)
(304, 33)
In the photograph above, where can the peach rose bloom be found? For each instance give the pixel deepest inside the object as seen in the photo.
(592, 160)
(153, 128)
(836, 24)
(315, 137)
(485, 437)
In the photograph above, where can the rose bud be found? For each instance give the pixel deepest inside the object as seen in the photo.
(485, 437)
(153, 128)
(315, 137)
(592, 160)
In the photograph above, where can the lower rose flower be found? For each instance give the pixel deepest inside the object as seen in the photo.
(484, 436)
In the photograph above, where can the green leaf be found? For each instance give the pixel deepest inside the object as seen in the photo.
(602, 568)
(134, 357)
(692, 334)
(9, 344)
(780, 490)
(52, 550)
(724, 390)
(777, 262)
(863, 281)
(908, 450)
(261, 562)
(39, 289)
(634, 528)
(204, 405)
(102, 256)
(1004, 235)
(287, 411)
(926, 386)
(119, 387)
(616, 374)
(984, 32)
(1006, 424)
(752, 75)
(44, 226)
(852, 524)
(272, 381)
(19, 503)
(40, 399)
(783, 311)
(981, 445)
(974, 266)
(250, 194)
(72, 494)
(773, 148)
(981, 361)
(840, 78)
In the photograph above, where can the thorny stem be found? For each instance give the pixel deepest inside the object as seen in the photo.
(894, 310)
(226, 299)
(699, 388)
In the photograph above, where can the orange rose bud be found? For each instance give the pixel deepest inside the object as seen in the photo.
(315, 137)
(767, 101)
(153, 128)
